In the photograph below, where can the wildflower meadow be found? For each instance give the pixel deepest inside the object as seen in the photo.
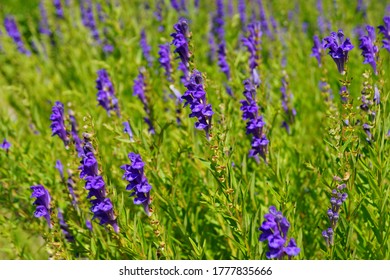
(194, 129)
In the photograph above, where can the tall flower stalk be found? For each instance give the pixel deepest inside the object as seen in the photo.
(195, 96)
(138, 183)
(106, 93)
(252, 43)
(13, 32)
(42, 202)
(102, 207)
(58, 123)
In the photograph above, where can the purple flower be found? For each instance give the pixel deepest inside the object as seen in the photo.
(175, 5)
(138, 183)
(58, 122)
(13, 32)
(252, 43)
(71, 184)
(64, 227)
(369, 50)
(89, 21)
(317, 49)
(195, 96)
(146, 48)
(218, 26)
(165, 60)
(5, 145)
(263, 20)
(385, 30)
(180, 41)
(222, 62)
(139, 88)
(255, 122)
(158, 14)
(43, 24)
(127, 129)
(241, 6)
(60, 168)
(59, 10)
(274, 230)
(289, 112)
(338, 48)
(106, 93)
(101, 208)
(42, 202)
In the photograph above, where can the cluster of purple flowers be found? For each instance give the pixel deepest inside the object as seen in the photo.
(58, 6)
(195, 96)
(385, 30)
(138, 183)
(338, 49)
(158, 14)
(263, 20)
(106, 93)
(42, 202)
(241, 6)
(252, 43)
(337, 199)
(43, 23)
(274, 230)
(139, 88)
(13, 32)
(255, 123)
(180, 41)
(74, 133)
(102, 207)
(58, 122)
(146, 48)
(165, 60)
(369, 50)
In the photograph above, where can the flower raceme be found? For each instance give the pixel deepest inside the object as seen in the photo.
(13, 32)
(385, 30)
(180, 41)
(274, 230)
(195, 96)
(138, 183)
(369, 50)
(58, 123)
(338, 48)
(42, 202)
(106, 93)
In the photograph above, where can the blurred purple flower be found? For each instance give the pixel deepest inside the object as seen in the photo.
(138, 183)
(146, 48)
(165, 60)
(127, 129)
(60, 168)
(369, 50)
(252, 43)
(317, 49)
(274, 230)
(106, 93)
(64, 226)
(241, 6)
(180, 41)
(58, 6)
(139, 89)
(42, 202)
(43, 23)
(385, 30)
(5, 145)
(338, 48)
(222, 62)
(58, 122)
(74, 133)
(13, 32)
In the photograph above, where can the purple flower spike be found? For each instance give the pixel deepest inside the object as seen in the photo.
(75, 134)
(127, 129)
(42, 202)
(338, 48)
(241, 6)
(180, 41)
(165, 60)
(102, 207)
(252, 43)
(13, 32)
(317, 49)
(222, 62)
(146, 48)
(385, 30)
(138, 183)
(106, 93)
(64, 226)
(139, 89)
(255, 122)
(60, 168)
(59, 11)
(274, 230)
(369, 50)
(195, 96)
(58, 123)
(5, 145)
(43, 23)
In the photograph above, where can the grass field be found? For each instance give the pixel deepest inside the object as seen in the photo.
(313, 130)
